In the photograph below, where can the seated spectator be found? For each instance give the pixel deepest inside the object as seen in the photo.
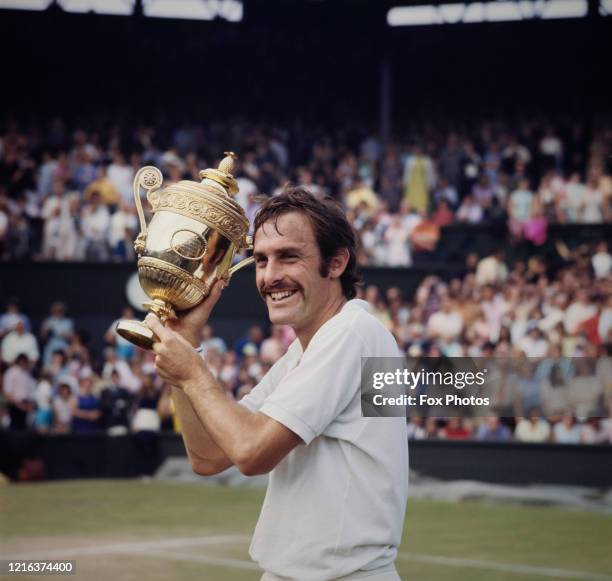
(520, 208)
(85, 408)
(43, 419)
(593, 432)
(416, 430)
(212, 342)
(56, 331)
(95, 224)
(447, 323)
(397, 244)
(11, 316)
(63, 404)
(443, 215)
(146, 417)
(470, 211)
(454, 429)
(116, 403)
(533, 429)
(533, 344)
(273, 348)
(601, 262)
(566, 431)
(492, 430)
(18, 342)
(579, 311)
(19, 388)
(362, 194)
(123, 348)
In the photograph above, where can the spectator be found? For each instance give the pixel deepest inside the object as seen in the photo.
(578, 312)
(19, 342)
(273, 348)
(566, 431)
(454, 429)
(56, 331)
(63, 404)
(419, 179)
(95, 224)
(10, 318)
(212, 342)
(602, 261)
(19, 389)
(43, 419)
(116, 402)
(123, 348)
(396, 240)
(520, 208)
(491, 269)
(533, 429)
(85, 408)
(416, 431)
(447, 323)
(492, 430)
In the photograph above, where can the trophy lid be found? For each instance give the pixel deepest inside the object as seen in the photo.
(209, 201)
(223, 174)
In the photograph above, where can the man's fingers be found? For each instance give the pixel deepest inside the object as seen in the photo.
(215, 292)
(200, 313)
(156, 326)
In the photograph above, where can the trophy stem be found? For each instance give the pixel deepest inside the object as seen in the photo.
(138, 333)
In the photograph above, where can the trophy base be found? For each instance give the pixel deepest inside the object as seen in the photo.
(137, 333)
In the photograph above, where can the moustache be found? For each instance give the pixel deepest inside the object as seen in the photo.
(277, 288)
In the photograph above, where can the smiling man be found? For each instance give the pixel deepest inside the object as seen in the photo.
(336, 497)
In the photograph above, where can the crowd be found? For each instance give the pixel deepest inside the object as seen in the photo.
(559, 324)
(66, 192)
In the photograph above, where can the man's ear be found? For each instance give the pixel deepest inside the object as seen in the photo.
(337, 263)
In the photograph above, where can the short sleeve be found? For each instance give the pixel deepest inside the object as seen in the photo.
(313, 394)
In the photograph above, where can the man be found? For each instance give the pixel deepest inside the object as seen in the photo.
(338, 481)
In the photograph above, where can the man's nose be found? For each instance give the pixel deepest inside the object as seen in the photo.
(273, 273)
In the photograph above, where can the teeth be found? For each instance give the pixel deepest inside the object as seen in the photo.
(281, 295)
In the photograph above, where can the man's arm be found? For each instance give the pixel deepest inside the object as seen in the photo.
(226, 433)
(254, 442)
(205, 456)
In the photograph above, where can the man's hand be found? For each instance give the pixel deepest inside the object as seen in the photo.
(177, 361)
(190, 324)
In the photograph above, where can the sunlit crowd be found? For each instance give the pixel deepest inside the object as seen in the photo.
(560, 324)
(66, 191)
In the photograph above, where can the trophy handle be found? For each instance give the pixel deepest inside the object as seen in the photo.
(242, 263)
(149, 178)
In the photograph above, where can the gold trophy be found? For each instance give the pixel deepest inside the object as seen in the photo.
(189, 244)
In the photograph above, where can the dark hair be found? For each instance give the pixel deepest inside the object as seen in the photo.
(331, 229)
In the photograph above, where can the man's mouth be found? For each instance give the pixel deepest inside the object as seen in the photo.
(279, 296)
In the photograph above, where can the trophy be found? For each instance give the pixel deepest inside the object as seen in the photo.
(189, 243)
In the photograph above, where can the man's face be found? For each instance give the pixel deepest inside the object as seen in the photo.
(288, 278)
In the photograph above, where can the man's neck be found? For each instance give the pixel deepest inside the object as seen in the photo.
(333, 308)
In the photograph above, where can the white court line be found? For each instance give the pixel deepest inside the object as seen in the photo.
(505, 567)
(155, 549)
(127, 547)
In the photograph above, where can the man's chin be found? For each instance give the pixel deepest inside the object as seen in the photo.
(279, 316)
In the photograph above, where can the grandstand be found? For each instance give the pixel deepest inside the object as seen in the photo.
(474, 164)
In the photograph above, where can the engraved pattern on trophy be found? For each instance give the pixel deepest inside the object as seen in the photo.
(190, 242)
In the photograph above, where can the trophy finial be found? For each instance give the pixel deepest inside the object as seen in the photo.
(223, 174)
(227, 163)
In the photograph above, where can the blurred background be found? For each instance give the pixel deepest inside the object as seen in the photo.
(471, 146)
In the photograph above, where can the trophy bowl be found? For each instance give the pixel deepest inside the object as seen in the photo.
(190, 242)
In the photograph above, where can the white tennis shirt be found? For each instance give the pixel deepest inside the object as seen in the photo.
(336, 503)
